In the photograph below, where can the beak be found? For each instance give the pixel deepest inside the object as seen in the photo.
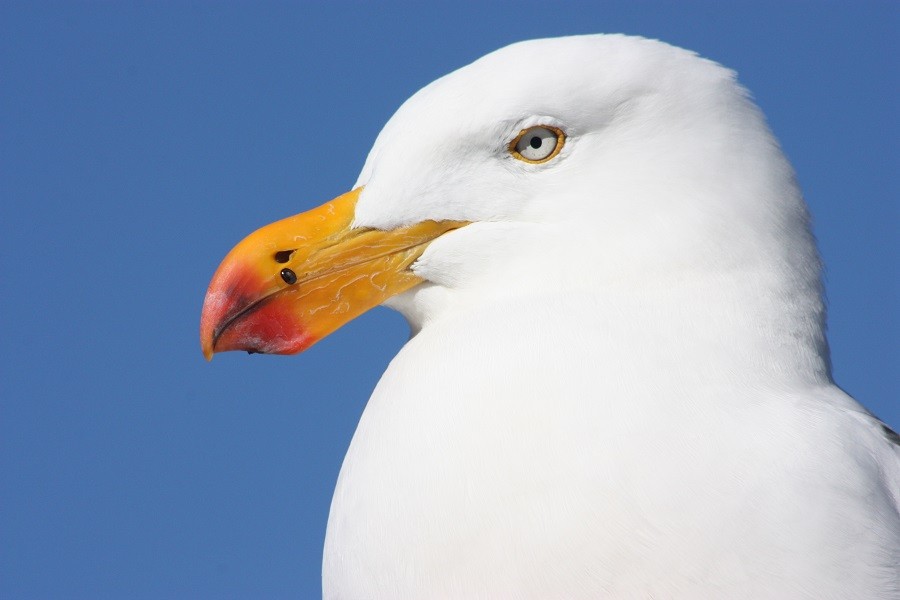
(291, 283)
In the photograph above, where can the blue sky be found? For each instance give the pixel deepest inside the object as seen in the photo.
(141, 141)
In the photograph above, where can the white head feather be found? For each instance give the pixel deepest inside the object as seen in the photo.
(668, 171)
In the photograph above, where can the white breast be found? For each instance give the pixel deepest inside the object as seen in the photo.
(547, 451)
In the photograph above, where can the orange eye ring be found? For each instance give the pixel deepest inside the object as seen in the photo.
(531, 145)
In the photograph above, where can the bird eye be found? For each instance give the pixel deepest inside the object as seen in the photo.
(537, 144)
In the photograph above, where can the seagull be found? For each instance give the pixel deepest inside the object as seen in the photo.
(618, 382)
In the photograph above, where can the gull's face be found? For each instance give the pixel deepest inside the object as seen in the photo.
(437, 167)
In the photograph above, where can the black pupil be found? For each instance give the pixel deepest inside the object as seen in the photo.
(535, 142)
(289, 276)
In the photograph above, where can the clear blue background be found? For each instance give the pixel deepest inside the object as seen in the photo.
(141, 141)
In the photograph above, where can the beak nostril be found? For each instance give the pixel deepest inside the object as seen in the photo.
(289, 276)
(283, 256)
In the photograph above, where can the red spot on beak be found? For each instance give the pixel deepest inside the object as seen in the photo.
(269, 327)
(240, 313)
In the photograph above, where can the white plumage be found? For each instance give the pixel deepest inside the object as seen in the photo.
(618, 384)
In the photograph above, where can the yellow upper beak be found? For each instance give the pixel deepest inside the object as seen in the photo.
(291, 283)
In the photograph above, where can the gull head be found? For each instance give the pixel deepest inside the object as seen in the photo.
(564, 165)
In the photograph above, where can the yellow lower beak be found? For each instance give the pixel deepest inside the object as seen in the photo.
(291, 283)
